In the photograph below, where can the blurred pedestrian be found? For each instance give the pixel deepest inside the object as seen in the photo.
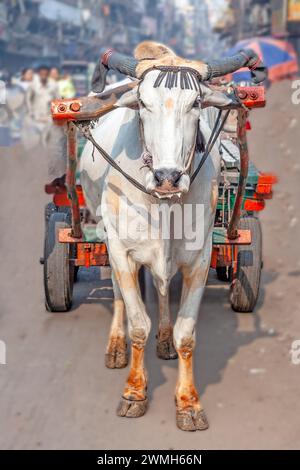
(54, 74)
(39, 94)
(66, 86)
(25, 79)
(39, 129)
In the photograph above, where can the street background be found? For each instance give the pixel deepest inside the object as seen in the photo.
(55, 392)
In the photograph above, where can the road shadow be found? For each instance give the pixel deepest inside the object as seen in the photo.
(219, 335)
(91, 288)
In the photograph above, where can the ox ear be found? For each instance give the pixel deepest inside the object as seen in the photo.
(128, 100)
(217, 99)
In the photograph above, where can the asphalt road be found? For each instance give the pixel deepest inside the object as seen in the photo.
(55, 392)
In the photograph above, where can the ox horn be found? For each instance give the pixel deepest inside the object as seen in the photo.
(244, 58)
(115, 61)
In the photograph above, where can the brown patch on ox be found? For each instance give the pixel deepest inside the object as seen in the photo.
(119, 306)
(136, 385)
(116, 353)
(151, 50)
(165, 347)
(214, 195)
(112, 198)
(193, 280)
(152, 54)
(165, 332)
(186, 393)
(134, 401)
(169, 104)
(127, 279)
(190, 415)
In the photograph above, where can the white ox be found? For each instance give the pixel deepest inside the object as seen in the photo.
(164, 125)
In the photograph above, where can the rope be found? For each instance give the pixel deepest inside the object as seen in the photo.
(211, 142)
(87, 134)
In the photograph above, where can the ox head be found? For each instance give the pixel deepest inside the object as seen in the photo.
(169, 97)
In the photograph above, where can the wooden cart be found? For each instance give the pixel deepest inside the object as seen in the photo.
(71, 239)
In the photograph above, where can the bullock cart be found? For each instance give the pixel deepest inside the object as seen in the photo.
(71, 238)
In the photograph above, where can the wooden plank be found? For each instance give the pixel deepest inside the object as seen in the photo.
(89, 235)
(220, 237)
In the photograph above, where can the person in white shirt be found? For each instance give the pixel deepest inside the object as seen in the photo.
(39, 128)
(26, 78)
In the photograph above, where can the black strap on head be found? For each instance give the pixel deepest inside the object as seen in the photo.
(173, 75)
(211, 142)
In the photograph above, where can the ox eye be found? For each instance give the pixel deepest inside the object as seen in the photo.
(196, 102)
(142, 104)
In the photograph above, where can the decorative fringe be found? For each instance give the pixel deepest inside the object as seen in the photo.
(188, 80)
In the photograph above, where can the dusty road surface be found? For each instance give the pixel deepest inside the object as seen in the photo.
(55, 391)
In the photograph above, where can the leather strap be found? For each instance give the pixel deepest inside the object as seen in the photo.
(211, 142)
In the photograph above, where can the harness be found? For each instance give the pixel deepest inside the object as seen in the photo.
(187, 78)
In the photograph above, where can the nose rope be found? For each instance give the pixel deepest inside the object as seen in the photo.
(146, 155)
(218, 126)
(147, 160)
(85, 130)
(191, 157)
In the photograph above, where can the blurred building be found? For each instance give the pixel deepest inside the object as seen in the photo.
(182, 24)
(244, 19)
(53, 31)
(47, 30)
(286, 21)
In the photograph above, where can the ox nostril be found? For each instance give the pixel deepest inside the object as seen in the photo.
(160, 176)
(167, 175)
(175, 176)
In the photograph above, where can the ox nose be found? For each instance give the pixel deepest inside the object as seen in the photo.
(167, 176)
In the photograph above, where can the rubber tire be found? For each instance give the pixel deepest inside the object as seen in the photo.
(245, 287)
(224, 274)
(58, 269)
(76, 269)
(50, 208)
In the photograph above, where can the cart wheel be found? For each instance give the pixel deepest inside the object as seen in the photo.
(50, 208)
(58, 269)
(245, 285)
(224, 273)
(76, 269)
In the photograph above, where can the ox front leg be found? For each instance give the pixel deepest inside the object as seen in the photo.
(190, 415)
(134, 398)
(165, 347)
(116, 355)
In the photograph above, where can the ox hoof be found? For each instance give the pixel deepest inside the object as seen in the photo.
(116, 356)
(165, 349)
(132, 408)
(191, 420)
